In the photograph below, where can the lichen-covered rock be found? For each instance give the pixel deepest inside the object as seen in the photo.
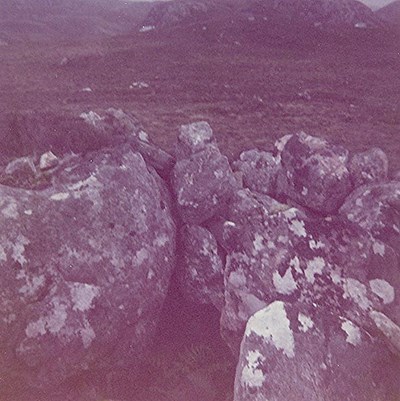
(313, 173)
(259, 171)
(376, 208)
(85, 267)
(194, 138)
(369, 167)
(289, 353)
(276, 252)
(120, 127)
(202, 185)
(201, 269)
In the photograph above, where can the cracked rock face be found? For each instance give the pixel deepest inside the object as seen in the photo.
(291, 353)
(201, 267)
(313, 173)
(276, 252)
(85, 268)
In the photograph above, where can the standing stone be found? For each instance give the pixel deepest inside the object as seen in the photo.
(203, 182)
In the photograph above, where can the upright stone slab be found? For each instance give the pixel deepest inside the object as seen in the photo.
(202, 179)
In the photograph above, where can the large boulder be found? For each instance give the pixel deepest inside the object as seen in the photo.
(313, 173)
(277, 252)
(290, 353)
(85, 265)
(203, 182)
(259, 171)
(376, 208)
(369, 167)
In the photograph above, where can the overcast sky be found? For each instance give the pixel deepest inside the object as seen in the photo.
(374, 4)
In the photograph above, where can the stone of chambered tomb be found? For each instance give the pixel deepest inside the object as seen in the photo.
(296, 248)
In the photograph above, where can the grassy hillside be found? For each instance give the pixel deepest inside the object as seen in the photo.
(251, 88)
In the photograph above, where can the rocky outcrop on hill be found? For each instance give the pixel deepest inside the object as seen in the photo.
(320, 13)
(390, 13)
(297, 249)
(326, 12)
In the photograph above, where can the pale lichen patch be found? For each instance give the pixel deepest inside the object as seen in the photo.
(18, 249)
(315, 244)
(378, 248)
(87, 334)
(60, 196)
(297, 227)
(252, 375)
(383, 290)
(284, 284)
(141, 256)
(11, 210)
(272, 324)
(32, 285)
(161, 240)
(82, 296)
(295, 263)
(306, 322)
(258, 242)
(352, 331)
(357, 292)
(52, 323)
(314, 266)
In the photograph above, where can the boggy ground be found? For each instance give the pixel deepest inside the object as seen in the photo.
(252, 88)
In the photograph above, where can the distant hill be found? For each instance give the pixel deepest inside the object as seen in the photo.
(391, 13)
(319, 13)
(68, 19)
